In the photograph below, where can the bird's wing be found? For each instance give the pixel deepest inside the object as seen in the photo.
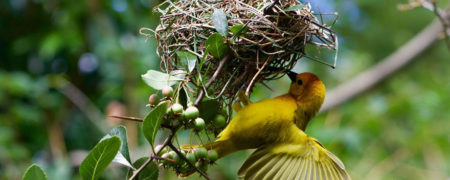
(287, 161)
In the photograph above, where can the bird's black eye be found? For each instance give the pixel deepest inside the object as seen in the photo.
(299, 82)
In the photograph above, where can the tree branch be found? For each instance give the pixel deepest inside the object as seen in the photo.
(386, 67)
(445, 23)
(442, 16)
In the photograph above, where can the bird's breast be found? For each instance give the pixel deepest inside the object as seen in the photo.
(262, 122)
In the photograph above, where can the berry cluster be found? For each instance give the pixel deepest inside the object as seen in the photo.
(189, 118)
(198, 156)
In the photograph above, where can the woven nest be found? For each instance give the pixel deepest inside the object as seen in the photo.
(278, 32)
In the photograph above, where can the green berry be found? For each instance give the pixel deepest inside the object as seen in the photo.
(224, 112)
(175, 157)
(184, 168)
(199, 124)
(219, 121)
(201, 153)
(162, 151)
(191, 157)
(170, 155)
(153, 100)
(169, 110)
(191, 112)
(183, 117)
(212, 155)
(176, 108)
(202, 166)
(167, 91)
(166, 156)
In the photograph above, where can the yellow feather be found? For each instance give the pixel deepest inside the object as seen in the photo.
(275, 127)
(285, 169)
(302, 171)
(293, 170)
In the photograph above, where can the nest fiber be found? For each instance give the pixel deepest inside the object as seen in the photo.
(272, 37)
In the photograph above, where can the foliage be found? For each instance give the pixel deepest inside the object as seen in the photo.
(99, 158)
(152, 122)
(220, 22)
(34, 172)
(158, 80)
(150, 172)
(216, 46)
(85, 43)
(188, 59)
(123, 156)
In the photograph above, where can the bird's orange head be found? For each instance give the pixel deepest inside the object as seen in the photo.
(307, 88)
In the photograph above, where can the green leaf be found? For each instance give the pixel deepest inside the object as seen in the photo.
(183, 97)
(178, 74)
(99, 158)
(188, 59)
(238, 30)
(34, 172)
(150, 172)
(119, 158)
(158, 80)
(296, 7)
(121, 132)
(219, 19)
(215, 45)
(123, 157)
(208, 109)
(152, 122)
(239, 27)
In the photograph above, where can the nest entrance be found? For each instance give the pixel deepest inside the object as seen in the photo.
(276, 33)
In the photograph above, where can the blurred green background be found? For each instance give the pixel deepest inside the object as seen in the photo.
(65, 64)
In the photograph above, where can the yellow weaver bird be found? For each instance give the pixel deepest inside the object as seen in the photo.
(275, 127)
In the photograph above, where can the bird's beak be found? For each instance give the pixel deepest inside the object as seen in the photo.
(292, 75)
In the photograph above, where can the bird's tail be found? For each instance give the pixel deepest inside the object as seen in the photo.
(284, 162)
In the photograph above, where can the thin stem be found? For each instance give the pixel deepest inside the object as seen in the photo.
(445, 24)
(127, 118)
(320, 25)
(269, 8)
(136, 119)
(161, 158)
(213, 78)
(442, 16)
(252, 82)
